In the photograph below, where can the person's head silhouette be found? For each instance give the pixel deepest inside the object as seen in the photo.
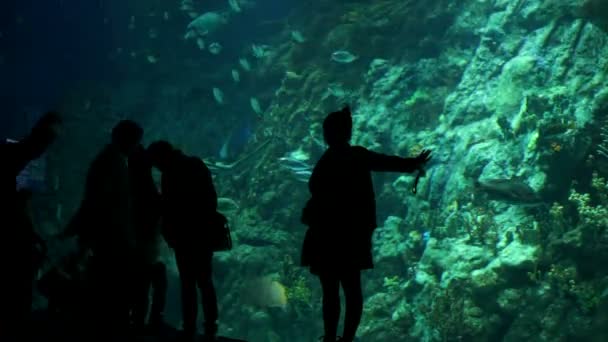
(126, 135)
(160, 154)
(337, 128)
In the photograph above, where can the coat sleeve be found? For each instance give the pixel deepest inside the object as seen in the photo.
(206, 187)
(384, 163)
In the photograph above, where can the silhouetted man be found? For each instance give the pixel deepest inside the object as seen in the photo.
(341, 216)
(104, 225)
(150, 270)
(20, 244)
(189, 206)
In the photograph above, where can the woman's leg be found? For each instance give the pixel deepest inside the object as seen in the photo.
(159, 283)
(187, 274)
(330, 285)
(139, 310)
(208, 294)
(351, 283)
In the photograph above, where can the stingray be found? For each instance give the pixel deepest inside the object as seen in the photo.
(509, 190)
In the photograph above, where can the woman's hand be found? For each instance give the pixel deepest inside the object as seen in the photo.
(423, 158)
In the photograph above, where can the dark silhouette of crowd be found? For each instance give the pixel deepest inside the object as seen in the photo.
(102, 290)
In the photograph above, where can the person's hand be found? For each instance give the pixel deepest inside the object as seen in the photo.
(423, 157)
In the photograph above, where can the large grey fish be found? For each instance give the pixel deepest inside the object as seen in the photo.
(205, 24)
(509, 190)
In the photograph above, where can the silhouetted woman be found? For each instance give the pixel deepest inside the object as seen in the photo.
(341, 216)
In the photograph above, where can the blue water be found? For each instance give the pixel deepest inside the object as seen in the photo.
(59, 43)
(55, 44)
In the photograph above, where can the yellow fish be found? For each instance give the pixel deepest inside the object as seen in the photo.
(265, 292)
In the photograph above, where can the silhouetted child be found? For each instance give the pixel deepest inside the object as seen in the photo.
(20, 252)
(341, 216)
(189, 202)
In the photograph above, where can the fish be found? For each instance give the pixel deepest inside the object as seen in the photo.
(299, 155)
(226, 205)
(265, 292)
(244, 63)
(255, 105)
(509, 190)
(59, 213)
(131, 23)
(152, 59)
(207, 23)
(337, 90)
(236, 76)
(240, 137)
(343, 56)
(292, 75)
(296, 160)
(201, 43)
(189, 35)
(186, 7)
(234, 4)
(225, 149)
(236, 141)
(152, 33)
(298, 169)
(218, 95)
(294, 165)
(260, 51)
(303, 176)
(215, 48)
(297, 36)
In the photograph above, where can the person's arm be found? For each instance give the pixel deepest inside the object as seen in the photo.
(384, 163)
(166, 228)
(211, 189)
(205, 185)
(14, 156)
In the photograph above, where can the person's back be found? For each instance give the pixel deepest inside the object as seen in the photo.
(342, 183)
(189, 205)
(189, 198)
(104, 225)
(106, 206)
